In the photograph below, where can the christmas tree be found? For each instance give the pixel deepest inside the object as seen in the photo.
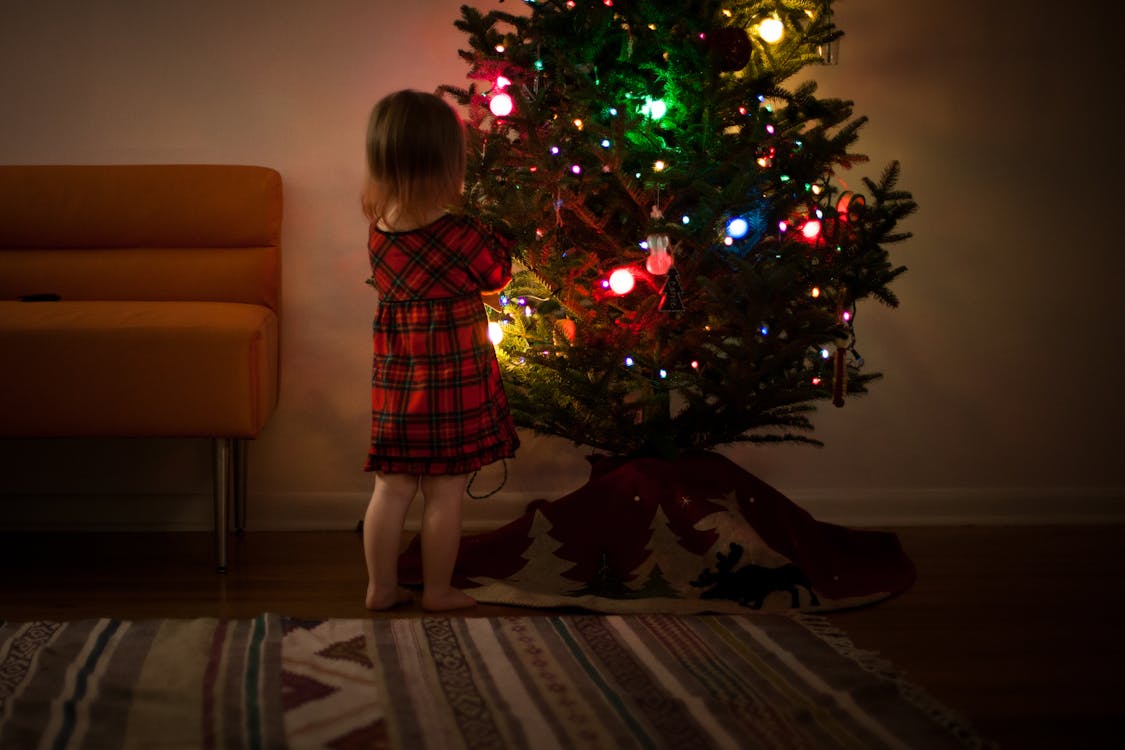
(689, 255)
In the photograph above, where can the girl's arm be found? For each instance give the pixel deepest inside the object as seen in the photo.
(491, 264)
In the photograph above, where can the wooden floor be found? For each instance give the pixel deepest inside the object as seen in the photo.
(1019, 629)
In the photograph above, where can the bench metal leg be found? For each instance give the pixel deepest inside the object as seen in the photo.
(222, 477)
(239, 461)
(230, 482)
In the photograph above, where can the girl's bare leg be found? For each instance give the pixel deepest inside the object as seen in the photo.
(382, 532)
(441, 538)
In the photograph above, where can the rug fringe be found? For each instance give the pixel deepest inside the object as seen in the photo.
(875, 664)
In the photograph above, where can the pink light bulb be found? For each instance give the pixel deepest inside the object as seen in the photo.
(501, 105)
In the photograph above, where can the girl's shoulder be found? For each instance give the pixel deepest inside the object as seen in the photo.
(377, 227)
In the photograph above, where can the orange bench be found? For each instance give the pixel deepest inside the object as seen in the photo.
(142, 301)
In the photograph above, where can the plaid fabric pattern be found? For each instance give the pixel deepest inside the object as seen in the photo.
(437, 402)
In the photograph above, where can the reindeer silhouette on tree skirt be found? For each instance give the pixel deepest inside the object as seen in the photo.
(751, 584)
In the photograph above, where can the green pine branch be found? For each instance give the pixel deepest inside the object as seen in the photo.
(583, 171)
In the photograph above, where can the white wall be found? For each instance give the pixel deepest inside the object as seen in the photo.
(1003, 365)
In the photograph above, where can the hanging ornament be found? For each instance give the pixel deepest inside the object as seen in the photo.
(850, 206)
(659, 259)
(567, 328)
(830, 51)
(672, 299)
(731, 47)
(840, 373)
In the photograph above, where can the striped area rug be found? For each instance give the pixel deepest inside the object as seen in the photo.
(573, 681)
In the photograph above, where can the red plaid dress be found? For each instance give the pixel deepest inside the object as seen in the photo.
(437, 403)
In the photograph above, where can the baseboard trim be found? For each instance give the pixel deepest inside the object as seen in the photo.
(974, 506)
(298, 511)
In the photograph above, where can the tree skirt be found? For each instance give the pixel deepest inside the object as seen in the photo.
(687, 535)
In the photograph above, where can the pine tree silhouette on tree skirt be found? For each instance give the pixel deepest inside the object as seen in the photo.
(651, 534)
(689, 262)
(689, 254)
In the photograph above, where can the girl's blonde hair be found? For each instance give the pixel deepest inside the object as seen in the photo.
(415, 158)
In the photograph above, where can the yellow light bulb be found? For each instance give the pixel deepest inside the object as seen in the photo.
(659, 166)
(771, 30)
(495, 332)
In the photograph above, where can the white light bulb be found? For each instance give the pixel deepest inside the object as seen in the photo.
(621, 281)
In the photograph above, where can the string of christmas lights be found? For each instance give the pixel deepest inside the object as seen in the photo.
(680, 215)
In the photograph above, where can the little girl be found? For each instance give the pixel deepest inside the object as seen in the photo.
(438, 406)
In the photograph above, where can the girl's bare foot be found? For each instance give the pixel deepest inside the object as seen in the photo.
(448, 599)
(378, 600)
